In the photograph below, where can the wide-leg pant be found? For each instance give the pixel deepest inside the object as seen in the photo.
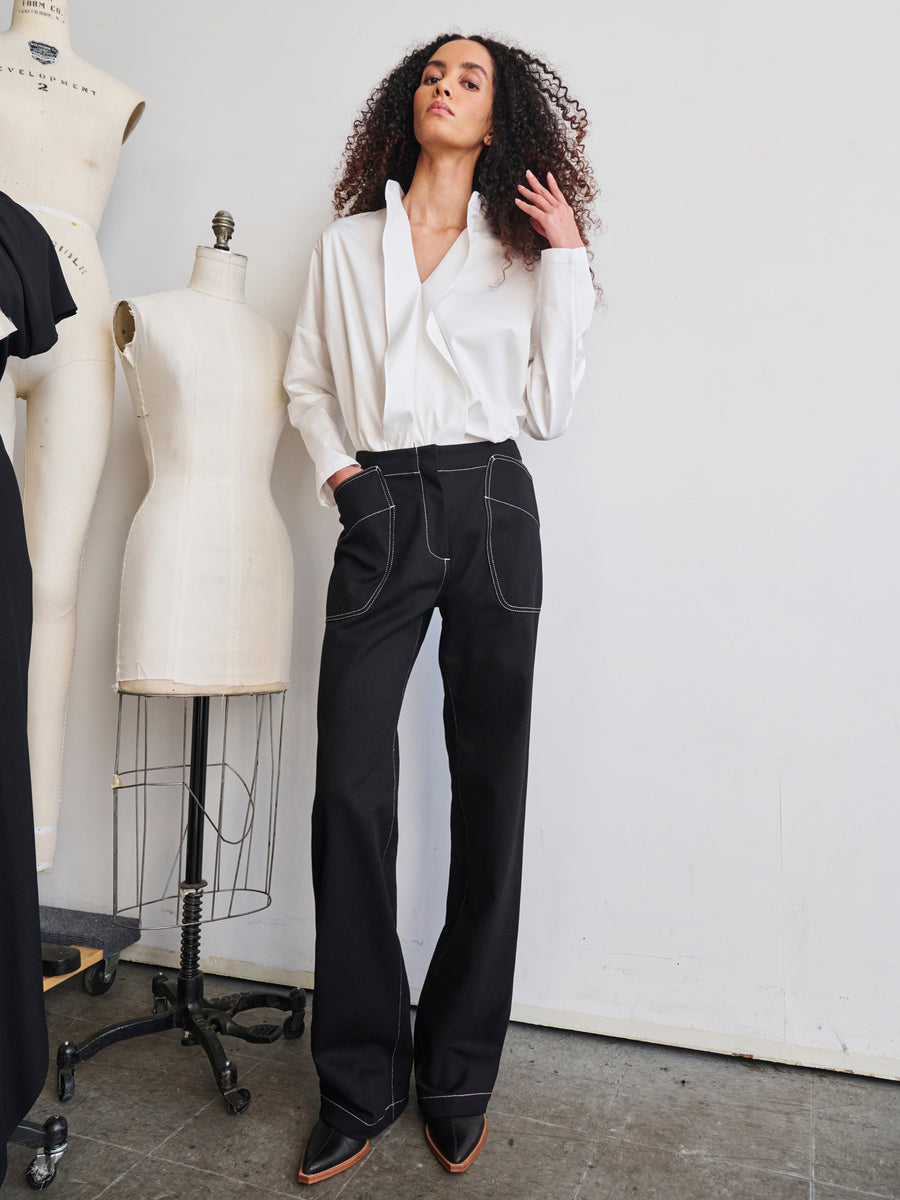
(453, 528)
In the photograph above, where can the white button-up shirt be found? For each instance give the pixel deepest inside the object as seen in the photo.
(513, 339)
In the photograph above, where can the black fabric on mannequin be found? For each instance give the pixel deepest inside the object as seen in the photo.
(34, 296)
(33, 292)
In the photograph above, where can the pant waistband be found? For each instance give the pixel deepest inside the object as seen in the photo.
(445, 458)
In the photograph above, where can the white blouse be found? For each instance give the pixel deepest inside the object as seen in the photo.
(511, 339)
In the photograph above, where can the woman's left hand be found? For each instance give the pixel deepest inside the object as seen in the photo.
(550, 212)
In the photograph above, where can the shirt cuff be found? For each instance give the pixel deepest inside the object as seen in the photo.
(325, 470)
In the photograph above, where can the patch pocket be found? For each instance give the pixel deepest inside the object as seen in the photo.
(364, 553)
(513, 534)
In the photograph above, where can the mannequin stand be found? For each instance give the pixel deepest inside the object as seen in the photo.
(49, 1139)
(184, 1005)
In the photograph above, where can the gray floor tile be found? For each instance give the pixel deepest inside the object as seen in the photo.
(169, 1181)
(566, 1054)
(573, 1117)
(623, 1171)
(562, 1104)
(824, 1191)
(520, 1161)
(711, 1106)
(857, 1134)
(263, 1143)
(83, 1172)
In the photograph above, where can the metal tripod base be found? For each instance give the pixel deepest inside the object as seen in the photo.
(183, 1006)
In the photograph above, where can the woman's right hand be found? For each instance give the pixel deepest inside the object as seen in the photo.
(341, 475)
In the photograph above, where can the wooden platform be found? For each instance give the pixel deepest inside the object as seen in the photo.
(89, 956)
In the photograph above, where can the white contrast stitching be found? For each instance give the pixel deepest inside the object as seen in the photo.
(455, 1096)
(390, 557)
(518, 462)
(439, 557)
(393, 1104)
(518, 508)
(487, 537)
(355, 475)
(452, 470)
(462, 809)
(367, 517)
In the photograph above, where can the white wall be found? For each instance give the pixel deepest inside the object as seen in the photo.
(711, 856)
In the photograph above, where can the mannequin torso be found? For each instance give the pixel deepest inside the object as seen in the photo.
(207, 582)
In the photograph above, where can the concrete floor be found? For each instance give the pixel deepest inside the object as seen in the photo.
(573, 1116)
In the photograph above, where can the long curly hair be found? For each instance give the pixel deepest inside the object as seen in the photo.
(537, 126)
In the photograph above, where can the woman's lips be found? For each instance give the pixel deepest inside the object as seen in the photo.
(438, 106)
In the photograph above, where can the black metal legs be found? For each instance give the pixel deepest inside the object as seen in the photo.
(182, 1005)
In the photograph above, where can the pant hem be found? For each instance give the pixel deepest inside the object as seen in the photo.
(453, 1106)
(339, 1118)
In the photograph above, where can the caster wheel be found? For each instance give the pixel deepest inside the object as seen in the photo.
(237, 1100)
(65, 1084)
(41, 1173)
(96, 981)
(293, 1026)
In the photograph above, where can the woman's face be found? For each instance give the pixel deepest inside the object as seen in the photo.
(453, 103)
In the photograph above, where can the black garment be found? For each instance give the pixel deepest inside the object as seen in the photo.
(454, 528)
(33, 294)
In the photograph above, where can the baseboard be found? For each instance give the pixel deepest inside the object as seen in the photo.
(740, 1046)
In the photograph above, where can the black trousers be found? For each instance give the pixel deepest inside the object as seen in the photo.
(453, 528)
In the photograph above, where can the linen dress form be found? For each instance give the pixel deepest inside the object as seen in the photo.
(207, 582)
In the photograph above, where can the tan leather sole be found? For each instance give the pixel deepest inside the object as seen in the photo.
(336, 1169)
(452, 1167)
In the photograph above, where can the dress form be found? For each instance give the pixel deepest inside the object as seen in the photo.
(62, 122)
(207, 581)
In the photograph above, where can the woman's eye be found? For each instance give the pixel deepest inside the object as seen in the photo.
(431, 79)
(470, 84)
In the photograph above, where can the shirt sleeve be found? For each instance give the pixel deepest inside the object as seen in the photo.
(309, 382)
(562, 317)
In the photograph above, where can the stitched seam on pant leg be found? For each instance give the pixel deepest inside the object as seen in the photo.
(387, 844)
(443, 580)
(399, 1024)
(454, 470)
(439, 557)
(394, 474)
(462, 806)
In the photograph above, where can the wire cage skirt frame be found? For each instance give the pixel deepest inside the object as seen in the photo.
(238, 808)
(231, 793)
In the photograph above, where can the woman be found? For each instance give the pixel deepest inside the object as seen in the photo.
(443, 313)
